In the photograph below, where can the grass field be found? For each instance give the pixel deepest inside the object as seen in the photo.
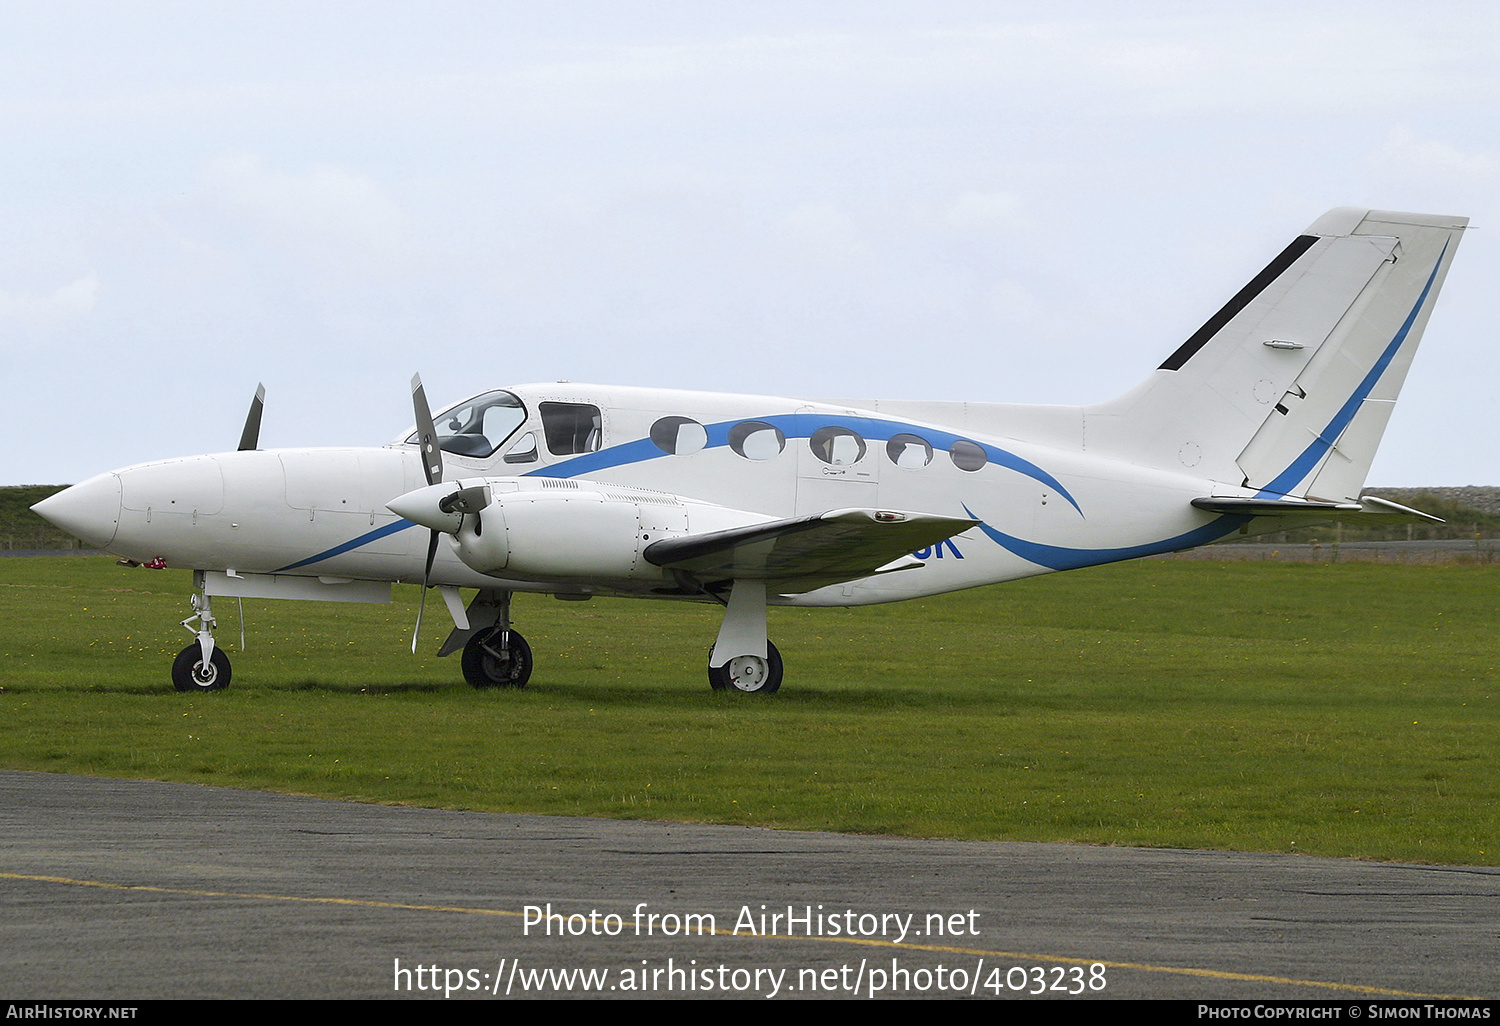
(1338, 710)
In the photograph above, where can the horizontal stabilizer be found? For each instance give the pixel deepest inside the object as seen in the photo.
(840, 545)
(1394, 512)
(1368, 510)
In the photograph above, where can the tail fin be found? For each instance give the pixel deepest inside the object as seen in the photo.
(1287, 389)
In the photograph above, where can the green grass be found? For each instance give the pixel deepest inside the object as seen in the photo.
(1338, 710)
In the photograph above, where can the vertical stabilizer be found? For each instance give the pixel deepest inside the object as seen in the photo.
(1287, 389)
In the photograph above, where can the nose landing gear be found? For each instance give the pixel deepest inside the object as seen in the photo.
(201, 666)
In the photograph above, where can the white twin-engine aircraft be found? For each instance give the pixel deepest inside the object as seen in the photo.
(1266, 418)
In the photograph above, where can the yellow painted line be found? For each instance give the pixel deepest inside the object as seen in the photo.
(264, 897)
(1212, 974)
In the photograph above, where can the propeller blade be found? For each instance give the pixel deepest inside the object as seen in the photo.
(432, 544)
(250, 437)
(432, 467)
(432, 456)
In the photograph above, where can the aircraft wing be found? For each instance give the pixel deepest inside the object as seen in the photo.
(1368, 510)
(840, 545)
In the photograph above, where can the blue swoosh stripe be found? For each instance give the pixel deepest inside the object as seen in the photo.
(339, 550)
(800, 425)
(1057, 557)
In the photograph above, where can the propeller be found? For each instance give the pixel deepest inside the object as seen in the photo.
(432, 467)
(438, 507)
(250, 437)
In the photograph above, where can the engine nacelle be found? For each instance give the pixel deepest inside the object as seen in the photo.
(544, 528)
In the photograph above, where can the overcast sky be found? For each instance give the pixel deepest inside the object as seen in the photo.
(1028, 202)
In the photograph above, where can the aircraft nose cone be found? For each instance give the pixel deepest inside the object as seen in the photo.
(90, 510)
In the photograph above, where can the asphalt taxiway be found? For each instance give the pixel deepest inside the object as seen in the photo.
(130, 890)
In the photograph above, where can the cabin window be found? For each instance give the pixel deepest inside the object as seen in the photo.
(837, 446)
(910, 451)
(967, 455)
(679, 435)
(478, 426)
(756, 440)
(572, 428)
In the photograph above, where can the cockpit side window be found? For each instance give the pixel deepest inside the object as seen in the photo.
(478, 426)
(572, 428)
(522, 450)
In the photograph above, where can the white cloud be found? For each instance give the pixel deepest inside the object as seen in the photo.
(42, 313)
(985, 211)
(822, 233)
(1013, 303)
(329, 216)
(1404, 154)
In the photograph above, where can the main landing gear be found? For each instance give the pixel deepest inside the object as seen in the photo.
(497, 657)
(742, 659)
(494, 655)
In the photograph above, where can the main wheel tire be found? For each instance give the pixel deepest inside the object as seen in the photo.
(190, 673)
(486, 666)
(749, 674)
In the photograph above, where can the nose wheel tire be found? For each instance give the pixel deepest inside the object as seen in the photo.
(191, 673)
(750, 674)
(488, 664)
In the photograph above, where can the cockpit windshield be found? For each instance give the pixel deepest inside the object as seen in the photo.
(478, 426)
